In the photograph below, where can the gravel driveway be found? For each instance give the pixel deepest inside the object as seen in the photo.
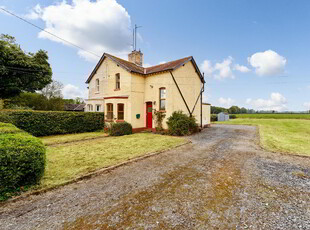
(223, 180)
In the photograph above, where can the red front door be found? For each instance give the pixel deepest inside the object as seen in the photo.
(149, 115)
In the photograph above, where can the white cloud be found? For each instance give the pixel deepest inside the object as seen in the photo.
(98, 26)
(241, 68)
(72, 92)
(220, 70)
(267, 63)
(276, 102)
(207, 68)
(223, 69)
(226, 101)
(307, 105)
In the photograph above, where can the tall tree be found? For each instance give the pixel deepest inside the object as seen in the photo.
(20, 71)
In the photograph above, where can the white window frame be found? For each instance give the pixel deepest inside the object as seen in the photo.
(98, 106)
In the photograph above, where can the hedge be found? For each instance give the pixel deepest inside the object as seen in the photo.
(22, 159)
(45, 123)
(120, 129)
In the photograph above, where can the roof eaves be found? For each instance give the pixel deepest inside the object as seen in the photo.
(95, 69)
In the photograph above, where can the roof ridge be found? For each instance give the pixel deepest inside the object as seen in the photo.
(168, 62)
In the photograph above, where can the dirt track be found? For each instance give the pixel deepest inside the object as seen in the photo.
(221, 181)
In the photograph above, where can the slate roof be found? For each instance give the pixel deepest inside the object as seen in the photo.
(74, 107)
(131, 67)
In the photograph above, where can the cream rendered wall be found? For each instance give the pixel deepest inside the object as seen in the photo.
(152, 85)
(106, 75)
(137, 101)
(190, 85)
(206, 114)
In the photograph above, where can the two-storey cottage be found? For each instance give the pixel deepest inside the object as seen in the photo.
(126, 91)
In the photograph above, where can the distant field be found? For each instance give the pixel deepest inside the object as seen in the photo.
(281, 135)
(274, 116)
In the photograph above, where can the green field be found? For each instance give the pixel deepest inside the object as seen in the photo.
(281, 135)
(274, 116)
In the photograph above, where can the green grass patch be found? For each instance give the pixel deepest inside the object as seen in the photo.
(61, 139)
(69, 161)
(283, 135)
(274, 116)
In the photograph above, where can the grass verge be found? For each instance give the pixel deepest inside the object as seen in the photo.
(68, 161)
(281, 135)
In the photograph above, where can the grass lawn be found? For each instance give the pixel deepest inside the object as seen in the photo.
(284, 135)
(71, 160)
(274, 116)
(61, 139)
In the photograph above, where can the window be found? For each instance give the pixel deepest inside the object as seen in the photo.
(109, 111)
(120, 111)
(97, 85)
(90, 107)
(98, 108)
(162, 99)
(117, 81)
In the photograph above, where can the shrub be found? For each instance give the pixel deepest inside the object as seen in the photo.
(232, 116)
(179, 124)
(22, 159)
(214, 117)
(45, 123)
(159, 116)
(120, 129)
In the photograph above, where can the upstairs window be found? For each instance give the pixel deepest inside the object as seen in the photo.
(97, 85)
(110, 111)
(162, 99)
(117, 81)
(120, 111)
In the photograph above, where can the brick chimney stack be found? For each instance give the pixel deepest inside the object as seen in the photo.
(136, 57)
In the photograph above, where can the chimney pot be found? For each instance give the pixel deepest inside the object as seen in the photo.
(136, 57)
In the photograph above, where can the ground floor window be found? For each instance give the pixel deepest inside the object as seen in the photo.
(110, 111)
(90, 107)
(120, 111)
(98, 108)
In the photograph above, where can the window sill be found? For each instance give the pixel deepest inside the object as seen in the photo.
(162, 111)
(117, 89)
(108, 120)
(97, 92)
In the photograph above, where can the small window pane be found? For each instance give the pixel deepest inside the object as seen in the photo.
(162, 93)
(120, 111)
(162, 104)
(149, 109)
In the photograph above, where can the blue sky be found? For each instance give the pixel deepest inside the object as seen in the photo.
(254, 53)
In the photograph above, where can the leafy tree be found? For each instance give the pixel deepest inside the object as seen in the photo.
(243, 110)
(20, 71)
(52, 90)
(234, 110)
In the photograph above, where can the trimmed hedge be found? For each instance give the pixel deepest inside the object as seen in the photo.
(45, 123)
(180, 124)
(22, 159)
(120, 129)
